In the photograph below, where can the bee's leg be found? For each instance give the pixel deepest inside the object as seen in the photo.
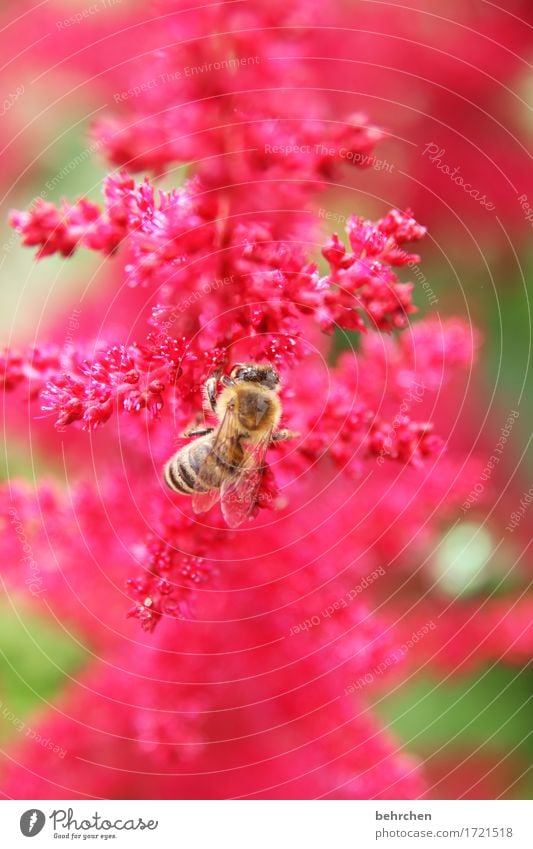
(198, 430)
(281, 435)
(210, 390)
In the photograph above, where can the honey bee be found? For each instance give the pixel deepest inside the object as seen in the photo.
(226, 462)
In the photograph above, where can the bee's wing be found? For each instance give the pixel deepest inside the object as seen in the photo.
(239, 495)
(220, 448)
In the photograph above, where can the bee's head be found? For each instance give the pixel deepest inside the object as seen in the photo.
(262, 373)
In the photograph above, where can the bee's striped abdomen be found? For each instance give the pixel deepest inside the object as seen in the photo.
(197, 468)
(190, 471)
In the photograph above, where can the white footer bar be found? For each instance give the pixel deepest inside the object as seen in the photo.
(268, 824)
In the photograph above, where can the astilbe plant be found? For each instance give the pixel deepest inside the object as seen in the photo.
(235, 680)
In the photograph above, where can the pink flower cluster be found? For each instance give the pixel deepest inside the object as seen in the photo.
(177, 245)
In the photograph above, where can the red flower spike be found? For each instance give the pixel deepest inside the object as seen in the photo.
(228, 272)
